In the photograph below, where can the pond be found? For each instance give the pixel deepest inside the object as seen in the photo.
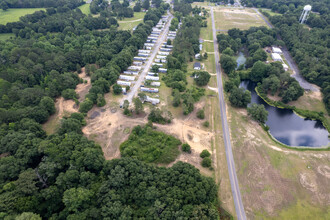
(289, 128)
(240, 59)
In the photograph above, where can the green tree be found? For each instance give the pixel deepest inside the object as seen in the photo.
(69, 94)
(258, 112)
(240, 97)
(228, 63)
(85, 106)
(77, 199)
(138, 105)
(48, 104)
(117, 89)
(155, 69)
(206, 162)
(186, 148)
(100, 102)
(202, 78)
(228, 51)
(28, 216)
(169, 42)
(258, 71)
(176, 98)
(146, 4)
(205, 153)
(201, 114)
(4, 6)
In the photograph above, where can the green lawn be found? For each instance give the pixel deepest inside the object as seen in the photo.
(85, 9)
(13, 14)
(130, 23)
(269, 11)
(4, 37)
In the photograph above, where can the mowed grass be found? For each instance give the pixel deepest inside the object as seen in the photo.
(243, 19)
(85, 9)
(4, 37)
(130, 23)
(269, 11)
(13, 14)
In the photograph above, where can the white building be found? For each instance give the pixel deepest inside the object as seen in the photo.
(277, 57)
(151, 74)
(124, 83)
(143, 54)
(152, 100)
(130, 72)
(285, 67)
(152, 90)
(140, 58)
(158, 64)
(134, 68)
(155, 83)
(144, 51)
(164, 53)
(153, 78)
(276, 50)
(162, 70)
(149, 44)
(137, 63)
(197, 66)
(161, 57)
(197, 56)
(127, 78)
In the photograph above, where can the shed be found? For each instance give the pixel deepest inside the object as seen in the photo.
(197, 66)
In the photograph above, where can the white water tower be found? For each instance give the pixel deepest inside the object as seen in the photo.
(305, 13)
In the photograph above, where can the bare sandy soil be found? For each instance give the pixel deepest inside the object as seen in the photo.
(112, 127)
(66, 107)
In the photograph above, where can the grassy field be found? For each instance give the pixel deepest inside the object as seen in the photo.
(4, 37)
(85, 9)
(226, 19)
(130, 23)
(12, 15)
(269, 11)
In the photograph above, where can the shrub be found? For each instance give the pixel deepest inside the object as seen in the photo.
(206, 124)
(186, 148)
(201, 114)
(69, 94)
(205, 153)
(206, 162)
(117, 89)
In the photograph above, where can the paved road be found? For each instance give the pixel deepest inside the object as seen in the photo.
(226, 136)
(148, 64)
(296, 73)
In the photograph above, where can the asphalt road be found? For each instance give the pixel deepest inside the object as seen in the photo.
(148, 64)
(226, 136)
(296, 73)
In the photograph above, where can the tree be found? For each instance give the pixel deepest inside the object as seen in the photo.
(85, 106)
(137, 7)
(258, 71)
(258, 112)
(186, 148)
(155, 69)
(205, 55)
(28, 216)
(69, 94)
(117, 89)
(146, 4)
(205, 153)
(169, 42)
(201, 78)
(48, 104)
(206, 124)
(138, 105)
(228, 63)
(228, 51)
(176, 98)
(239, 97)
(201, 114)
(206, 162)
(4, 6)
(100, 102)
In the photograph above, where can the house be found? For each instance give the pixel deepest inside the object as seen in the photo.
(127, 78)
(130, 72)
(152, 100)
(152, 90)
(162, 70)
(197, 66)
(153, 78)
(140, 58)
(277, 57)
(143, 54)
(197, 56)
(155, 83)
(276, 50)
(200, 46)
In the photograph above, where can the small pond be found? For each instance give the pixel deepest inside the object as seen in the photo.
(289, 128)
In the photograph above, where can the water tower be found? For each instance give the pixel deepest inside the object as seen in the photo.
(305, 13)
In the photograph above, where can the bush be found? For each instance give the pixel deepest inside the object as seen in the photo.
(206, 162)
(186, 148)
(201, 114)
(205, 153)
(85, 106)
(117, 89)
(206, 124)
(202, 78)
(69, 94)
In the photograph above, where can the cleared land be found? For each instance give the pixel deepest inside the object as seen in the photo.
(4, 37)
(85, 9)
(130, 23)
(243, 19)
(12, 15)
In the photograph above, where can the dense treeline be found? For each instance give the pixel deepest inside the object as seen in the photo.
(65, 176)
(272, 77)
(182, 7)
(42, 3)
(310, 50)
(283, 6)
(186, 45)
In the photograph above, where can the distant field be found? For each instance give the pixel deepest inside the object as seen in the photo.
(130, 23)
(237, 18)
(85, 9)
(4, 37)
(269, 11)
(12, 15)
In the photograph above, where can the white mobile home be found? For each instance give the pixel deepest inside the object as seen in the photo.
(140, 58)
(134, 68)
(124, 83)
(158, 64)
(149, 44)
(163, 53)
(155, 83)
(277, 57)
(152, 90)
(148, 48)
(165, 49)
(152, 74)
(153, 78)
(152, 100)
(161, 57)
(130, 72)
(144, 51)
(127, 78)
(143, 54)
(162, 70)
(137, 63)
